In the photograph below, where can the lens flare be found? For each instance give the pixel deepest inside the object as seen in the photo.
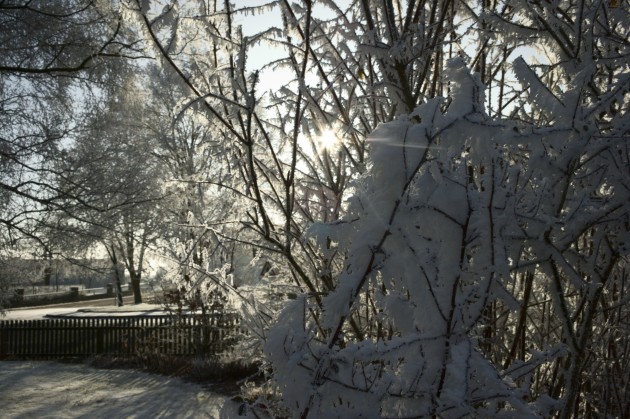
(328, 140)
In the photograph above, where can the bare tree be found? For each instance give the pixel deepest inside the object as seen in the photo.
(113, 163)
(48, 52)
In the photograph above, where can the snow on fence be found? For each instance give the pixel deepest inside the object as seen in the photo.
(124, 335)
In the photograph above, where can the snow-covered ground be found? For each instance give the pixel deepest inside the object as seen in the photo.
(52, 311)
(50, 389)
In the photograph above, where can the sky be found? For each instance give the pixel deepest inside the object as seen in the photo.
(264, 53)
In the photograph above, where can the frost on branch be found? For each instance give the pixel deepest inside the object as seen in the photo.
(424, 259)
(461, 224)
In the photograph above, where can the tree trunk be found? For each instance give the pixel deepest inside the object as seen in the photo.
(117, 274)
(118, 285)
(47, 267)
(134, 274)
(135, 287)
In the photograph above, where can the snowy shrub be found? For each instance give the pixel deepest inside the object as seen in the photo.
(450, 212)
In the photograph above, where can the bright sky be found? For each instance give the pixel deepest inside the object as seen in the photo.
(264, 53)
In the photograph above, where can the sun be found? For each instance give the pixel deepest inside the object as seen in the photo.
(328, 140)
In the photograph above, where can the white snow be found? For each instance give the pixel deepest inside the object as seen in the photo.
(35, 313)
(41, 313)
(48, 389)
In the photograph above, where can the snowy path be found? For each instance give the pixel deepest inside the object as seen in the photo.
(54, 390)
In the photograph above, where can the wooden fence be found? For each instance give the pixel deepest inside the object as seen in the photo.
(128, 336)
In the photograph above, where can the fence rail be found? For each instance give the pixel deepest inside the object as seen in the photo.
(124, 335)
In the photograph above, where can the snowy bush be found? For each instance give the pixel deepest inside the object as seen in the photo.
(450, 213)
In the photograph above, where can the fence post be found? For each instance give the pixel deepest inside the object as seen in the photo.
(100, 331)
(97, 336)
(4, 342)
